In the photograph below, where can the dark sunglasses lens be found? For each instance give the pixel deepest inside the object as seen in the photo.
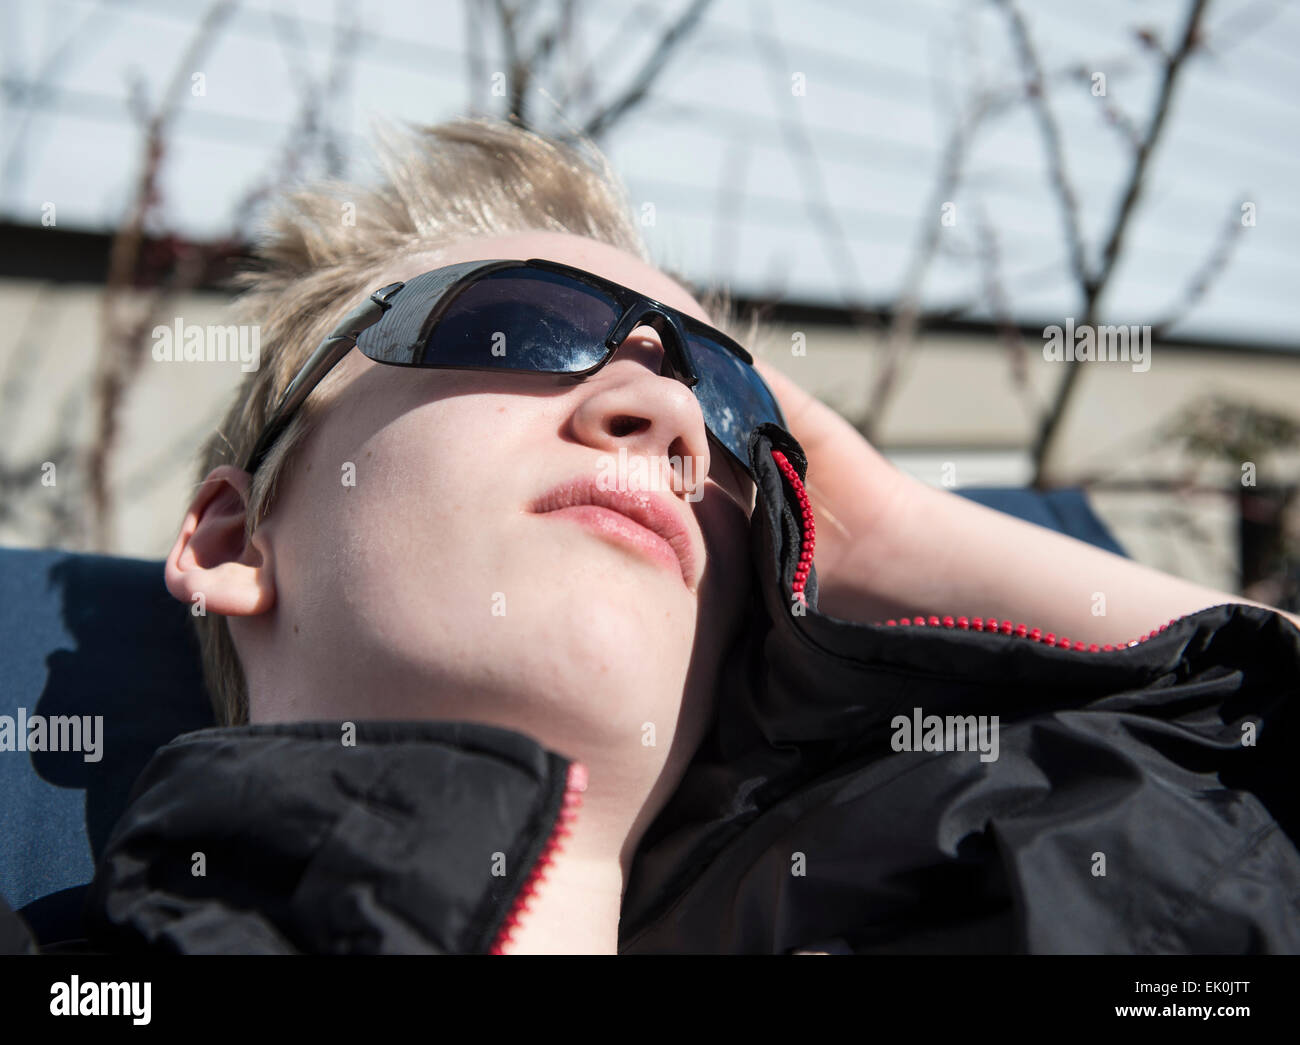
(523, 319)
(733, 397)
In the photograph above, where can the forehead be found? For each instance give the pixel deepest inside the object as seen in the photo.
(578, 251)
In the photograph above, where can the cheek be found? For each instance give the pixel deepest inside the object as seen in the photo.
(424, 439)
(427, 478)
(399, 499)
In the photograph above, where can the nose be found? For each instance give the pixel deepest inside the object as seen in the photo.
(634, 403)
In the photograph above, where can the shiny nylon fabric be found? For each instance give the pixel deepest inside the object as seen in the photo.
(315, 847)
(1128, 762)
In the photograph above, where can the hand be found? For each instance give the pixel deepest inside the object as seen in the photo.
(856, 494)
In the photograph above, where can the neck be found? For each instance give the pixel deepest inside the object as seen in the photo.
(575, 906)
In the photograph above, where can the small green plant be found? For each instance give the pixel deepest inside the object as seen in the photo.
(1244, 437)
(1221, 429)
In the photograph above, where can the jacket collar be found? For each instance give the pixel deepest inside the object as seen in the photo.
(284, 838)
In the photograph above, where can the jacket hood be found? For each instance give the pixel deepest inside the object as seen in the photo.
(1121, 809)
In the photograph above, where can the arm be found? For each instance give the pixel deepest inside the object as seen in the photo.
(891, 546)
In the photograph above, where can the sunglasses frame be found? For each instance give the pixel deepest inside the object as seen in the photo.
(432, 294)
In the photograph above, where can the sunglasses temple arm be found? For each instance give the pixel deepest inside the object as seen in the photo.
(340, 342)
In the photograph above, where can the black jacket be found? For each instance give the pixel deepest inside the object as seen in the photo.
(1142, 800)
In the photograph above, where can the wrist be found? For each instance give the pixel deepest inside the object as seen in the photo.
(865, 570)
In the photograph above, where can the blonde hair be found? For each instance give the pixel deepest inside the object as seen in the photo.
(439, 184)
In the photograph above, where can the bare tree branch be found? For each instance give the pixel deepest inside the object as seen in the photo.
(1121, 121)
(127, 320)
(1035, 89)
(905, 324)
(1093, 285)
(122, 336)
(816, 199)
(21, 368)
(906, 320)
(581, 91)
(651, 69)
(20, 140)
(475, 57)
(517, 73)
(1215, 264)
(1240, 25)
(1119, 225)
(1000, 307)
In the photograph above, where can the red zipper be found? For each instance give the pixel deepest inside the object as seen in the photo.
(1006, 627)
(809, 525)
(574, 786)
(992, 625)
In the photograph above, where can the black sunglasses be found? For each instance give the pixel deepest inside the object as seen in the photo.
(543, 317)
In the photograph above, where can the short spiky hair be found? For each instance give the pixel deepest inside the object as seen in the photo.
(319, 255)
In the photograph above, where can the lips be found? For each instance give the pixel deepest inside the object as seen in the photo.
(648, 521)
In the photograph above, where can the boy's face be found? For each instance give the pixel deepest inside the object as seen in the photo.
(404, 572)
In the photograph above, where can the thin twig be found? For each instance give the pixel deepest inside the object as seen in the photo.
(1215, 264)
(1093, 284)
(122, 341)
(1036, 90)
(1000, 306)
(651, 69)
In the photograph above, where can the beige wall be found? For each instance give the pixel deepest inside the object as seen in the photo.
(51, 335)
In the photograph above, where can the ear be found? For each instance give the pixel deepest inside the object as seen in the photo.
(210, 557)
